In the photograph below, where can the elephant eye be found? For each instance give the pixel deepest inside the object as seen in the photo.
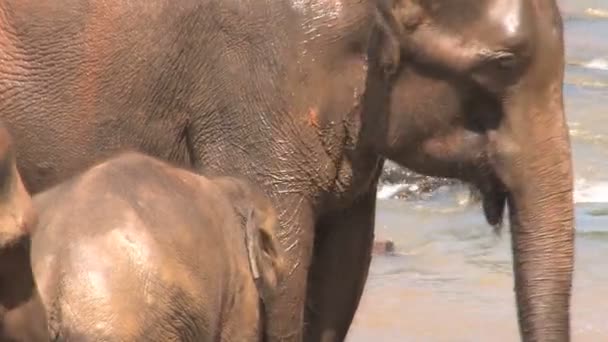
(496, 60)
(497, 69)
(504, 60)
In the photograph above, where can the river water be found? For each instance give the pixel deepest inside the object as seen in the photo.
(451, 278)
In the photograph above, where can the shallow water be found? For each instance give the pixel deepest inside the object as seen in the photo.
(451, 279)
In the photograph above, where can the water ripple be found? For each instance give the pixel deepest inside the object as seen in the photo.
(595, 64)
(597, 13)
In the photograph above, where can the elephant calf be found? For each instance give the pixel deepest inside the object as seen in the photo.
(137, 250)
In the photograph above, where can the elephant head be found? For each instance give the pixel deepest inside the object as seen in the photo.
(476, 94)
(266, 257)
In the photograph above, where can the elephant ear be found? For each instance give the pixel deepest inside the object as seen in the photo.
(264, 251)
(388, 34)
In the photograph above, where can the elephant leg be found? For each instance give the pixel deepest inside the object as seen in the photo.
(341, 260)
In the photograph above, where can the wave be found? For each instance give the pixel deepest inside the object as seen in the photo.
(588, 84)
(587, 136)
(584, 192)
(387, 191)
(597, 13)
(578, 13)
(595, 64)
(594, 192)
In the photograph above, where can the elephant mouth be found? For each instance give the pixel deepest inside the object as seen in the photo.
(494, 201)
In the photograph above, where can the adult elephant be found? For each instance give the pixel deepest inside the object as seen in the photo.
(307, 98)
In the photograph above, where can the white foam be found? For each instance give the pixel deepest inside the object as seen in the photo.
(584, 192)
(597, 12)
(597, 63)
(591, 192)
(386, 191)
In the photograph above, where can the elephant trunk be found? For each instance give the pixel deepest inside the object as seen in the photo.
(541, 216)
(531, 154)
(533, 159)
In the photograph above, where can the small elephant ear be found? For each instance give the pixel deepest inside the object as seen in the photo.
(265, 256)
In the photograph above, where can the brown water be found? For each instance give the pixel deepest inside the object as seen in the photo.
(451, 279)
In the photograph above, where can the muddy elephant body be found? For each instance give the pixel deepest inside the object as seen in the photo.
(137, 250)
(307, 99)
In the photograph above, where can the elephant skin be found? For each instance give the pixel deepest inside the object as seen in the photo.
(307, 99)
(137, 250)
(22, 316)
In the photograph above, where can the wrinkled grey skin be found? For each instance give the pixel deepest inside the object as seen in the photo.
(22, 316)
(137, 250)
(307, 99)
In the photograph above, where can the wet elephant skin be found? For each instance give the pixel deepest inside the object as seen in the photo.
(307, 98)
(137, 250)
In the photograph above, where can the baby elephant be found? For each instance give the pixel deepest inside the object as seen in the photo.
(137, 250)
(22, 316)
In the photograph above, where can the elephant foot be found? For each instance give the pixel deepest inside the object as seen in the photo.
(383, 247)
